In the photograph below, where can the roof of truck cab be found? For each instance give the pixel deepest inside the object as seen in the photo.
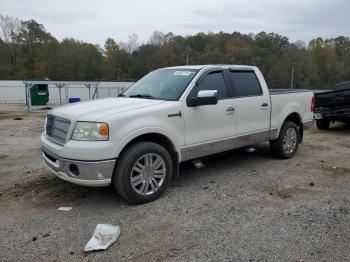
(198, 67)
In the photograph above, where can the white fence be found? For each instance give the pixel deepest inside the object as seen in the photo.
(14, 91)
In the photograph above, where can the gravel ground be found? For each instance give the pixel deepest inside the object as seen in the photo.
(240, 207)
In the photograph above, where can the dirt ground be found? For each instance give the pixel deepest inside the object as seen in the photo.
(241, 207)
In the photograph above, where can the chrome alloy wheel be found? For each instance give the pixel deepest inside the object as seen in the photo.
(148, 174)
(289, 140)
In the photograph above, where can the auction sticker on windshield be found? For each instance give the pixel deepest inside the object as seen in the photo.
(183, 73)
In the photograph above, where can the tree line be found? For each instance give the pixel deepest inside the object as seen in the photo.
(28, 51)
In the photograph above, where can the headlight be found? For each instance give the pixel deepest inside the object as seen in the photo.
(89, 131)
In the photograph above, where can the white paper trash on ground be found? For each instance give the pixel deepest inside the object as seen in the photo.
(64, 208)
(103, 236)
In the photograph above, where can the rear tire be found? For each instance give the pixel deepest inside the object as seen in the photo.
(287, 142)
(143, 172)
(323, 124)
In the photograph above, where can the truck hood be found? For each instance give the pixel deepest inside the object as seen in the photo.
(97, 109)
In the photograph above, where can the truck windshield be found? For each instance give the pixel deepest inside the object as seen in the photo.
(163, 84)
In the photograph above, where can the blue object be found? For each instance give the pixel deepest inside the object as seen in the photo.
(74, 100)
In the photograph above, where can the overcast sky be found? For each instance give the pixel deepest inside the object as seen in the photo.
(94, 21)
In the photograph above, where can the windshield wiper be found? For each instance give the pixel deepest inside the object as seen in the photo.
(121, 95)
(142, 96)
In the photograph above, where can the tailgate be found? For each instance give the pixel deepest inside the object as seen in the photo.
(333, 99)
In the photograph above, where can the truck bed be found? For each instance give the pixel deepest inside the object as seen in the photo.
(284, 99)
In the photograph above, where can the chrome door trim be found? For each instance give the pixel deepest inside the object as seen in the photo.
(213, 147)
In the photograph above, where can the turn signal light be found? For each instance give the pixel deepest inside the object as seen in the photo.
(103, 129)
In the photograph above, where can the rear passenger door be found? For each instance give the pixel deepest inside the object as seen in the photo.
(252, 106)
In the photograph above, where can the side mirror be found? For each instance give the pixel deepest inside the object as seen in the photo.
(205, 97)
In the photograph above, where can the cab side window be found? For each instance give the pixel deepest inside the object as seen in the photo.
(213, 81)
(246, 83)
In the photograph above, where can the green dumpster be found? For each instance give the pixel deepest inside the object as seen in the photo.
(39, 95)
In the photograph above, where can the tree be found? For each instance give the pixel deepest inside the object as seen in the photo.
(111, 47)
(79, 61)
(300, 44)
(342, 45)
(27, 50)
(157, 38)
(33, 37)
(132, 44)
(10, 35)
(111, 51)
(317, 42)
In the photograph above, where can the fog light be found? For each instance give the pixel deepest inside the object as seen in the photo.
(73, 168)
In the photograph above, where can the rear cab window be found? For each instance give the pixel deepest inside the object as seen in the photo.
(245, 83)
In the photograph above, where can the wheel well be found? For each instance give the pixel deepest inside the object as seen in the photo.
(161, 140)
(294, 117)
(155, 138)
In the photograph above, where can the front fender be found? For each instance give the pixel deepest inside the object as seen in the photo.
(143, 131)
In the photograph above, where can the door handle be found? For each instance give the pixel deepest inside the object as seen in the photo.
(230, 109)
(264, 104)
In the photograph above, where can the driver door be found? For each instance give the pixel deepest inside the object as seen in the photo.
(208, 128)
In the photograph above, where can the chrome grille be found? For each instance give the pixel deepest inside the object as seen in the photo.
(57, 128)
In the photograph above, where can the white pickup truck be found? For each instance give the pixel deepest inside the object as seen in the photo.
(137, 140)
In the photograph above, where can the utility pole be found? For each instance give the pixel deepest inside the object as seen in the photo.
(292, 76)
(187, 55)
(118, 71)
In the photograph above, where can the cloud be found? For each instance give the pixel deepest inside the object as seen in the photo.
(297, 19)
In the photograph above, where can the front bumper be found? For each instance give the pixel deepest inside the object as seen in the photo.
(86, 150)
(90, 173)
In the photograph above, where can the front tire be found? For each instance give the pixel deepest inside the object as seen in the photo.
(287, 142)
(143, 172)
(323, 124)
